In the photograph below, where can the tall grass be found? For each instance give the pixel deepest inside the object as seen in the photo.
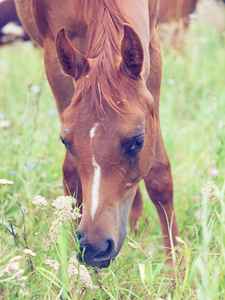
(192, 116)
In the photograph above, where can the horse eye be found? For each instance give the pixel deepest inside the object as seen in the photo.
(67, 147)
(137, 144)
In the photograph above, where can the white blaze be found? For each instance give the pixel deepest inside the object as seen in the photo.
(96, 178)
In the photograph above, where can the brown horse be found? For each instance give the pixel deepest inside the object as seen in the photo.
(173, 20)
(103, 63)
(8, 14)
(176, 10)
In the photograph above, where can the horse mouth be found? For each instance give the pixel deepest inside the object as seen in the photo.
(89, 258)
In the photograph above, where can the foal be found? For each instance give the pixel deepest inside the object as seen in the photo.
(103, 63)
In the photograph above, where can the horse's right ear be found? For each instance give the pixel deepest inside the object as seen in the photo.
(71, 60)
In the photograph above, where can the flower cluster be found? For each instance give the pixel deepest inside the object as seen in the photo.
(12, 272)
(52, 263)
(75, 270)
(40, 201)
(73, 266)
(5, 182)
(85, 277)
(52, 235)
(5, 123)
(208, 190)
(29, 252)
(64, 210)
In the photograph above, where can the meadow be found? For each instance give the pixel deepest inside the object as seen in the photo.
(31, 156)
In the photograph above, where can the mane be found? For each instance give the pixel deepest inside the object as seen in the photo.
(105, 19)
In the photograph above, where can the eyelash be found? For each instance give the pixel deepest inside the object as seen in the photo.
(66, 146)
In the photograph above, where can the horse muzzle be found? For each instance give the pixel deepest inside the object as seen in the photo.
(98, 253)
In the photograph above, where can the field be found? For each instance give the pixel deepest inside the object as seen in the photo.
(31, 156)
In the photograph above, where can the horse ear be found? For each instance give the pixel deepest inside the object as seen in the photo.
(132, 53)
(71, 60)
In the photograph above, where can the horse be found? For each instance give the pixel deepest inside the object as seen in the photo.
(103, 63)
(176, 10)
(8, 14)
(173, 21)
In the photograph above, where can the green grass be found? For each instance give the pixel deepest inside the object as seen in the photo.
(193, 124)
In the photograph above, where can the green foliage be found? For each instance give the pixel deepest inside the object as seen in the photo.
(192, 116)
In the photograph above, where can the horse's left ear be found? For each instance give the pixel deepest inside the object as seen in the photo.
(71, 60)
(132, 53)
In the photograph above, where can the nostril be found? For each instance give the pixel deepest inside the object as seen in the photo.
(97, 254)
(107, 250)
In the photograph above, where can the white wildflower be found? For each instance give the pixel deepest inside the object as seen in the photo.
(29, 252)
(52, 263)
(72, 270)
(16, 258)
(5, 124)
(85, 277)
(52, 235)
(75, 214)
(208, 189)
(40, 201)
(75, 269)
(46, 240)
(73, 266)
(13, 267)
(64, 209)
(5, 181)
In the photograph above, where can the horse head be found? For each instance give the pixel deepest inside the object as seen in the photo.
(109, 130)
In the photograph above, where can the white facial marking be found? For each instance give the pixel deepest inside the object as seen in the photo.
(92, 131)
(95, 187)
(96, 178)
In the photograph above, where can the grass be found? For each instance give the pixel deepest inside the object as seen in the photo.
(193, 124)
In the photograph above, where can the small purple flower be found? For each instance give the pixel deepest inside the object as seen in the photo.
(33, 100)
(1, 116)
(22, 285)
(51, 111)
(24, 122)
(170, 81)
(30, 166)
(214, 172)
(192, 16)
(36, 89)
